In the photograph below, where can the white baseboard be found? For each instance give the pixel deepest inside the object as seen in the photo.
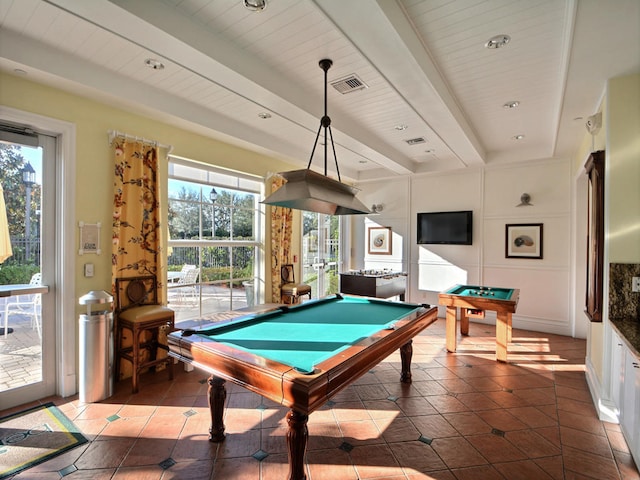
(606, 409)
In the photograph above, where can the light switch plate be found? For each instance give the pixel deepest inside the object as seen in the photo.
(635, 284)
(88, 270)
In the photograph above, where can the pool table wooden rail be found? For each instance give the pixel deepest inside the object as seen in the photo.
(286, 385)
(481, 303)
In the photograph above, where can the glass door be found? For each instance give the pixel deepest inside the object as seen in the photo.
(27, 309)
(320, 253)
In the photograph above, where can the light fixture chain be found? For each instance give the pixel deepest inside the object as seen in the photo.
(314, 147)
(324, 121)
(335, 157)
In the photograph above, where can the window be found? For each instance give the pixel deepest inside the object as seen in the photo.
(216, 232)
(321, 253)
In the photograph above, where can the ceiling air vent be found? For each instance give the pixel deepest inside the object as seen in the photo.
(349, 84)
(415, 141)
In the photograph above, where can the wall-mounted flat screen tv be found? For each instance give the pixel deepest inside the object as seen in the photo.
(445, 228)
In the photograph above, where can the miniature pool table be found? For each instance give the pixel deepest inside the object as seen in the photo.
(473, 301)
(300, 356)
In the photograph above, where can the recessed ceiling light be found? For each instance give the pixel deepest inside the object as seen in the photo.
(401, 127)
(431, 150)
(19, 71)
(153, 63)
(255, 5)
(577, 118)
(518, 137)
(264, 115)
(362, 161)
(498, 41)
(512, 104)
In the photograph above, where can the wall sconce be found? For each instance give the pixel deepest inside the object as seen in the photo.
(377, 207)
(525, 200)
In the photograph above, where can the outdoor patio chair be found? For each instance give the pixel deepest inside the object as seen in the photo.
(187, 284)
(27, 305)
(174, 277)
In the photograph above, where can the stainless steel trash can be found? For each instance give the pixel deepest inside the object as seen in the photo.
(249, 291)
(96, 348)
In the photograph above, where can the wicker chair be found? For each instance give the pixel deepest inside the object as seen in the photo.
(138, 311)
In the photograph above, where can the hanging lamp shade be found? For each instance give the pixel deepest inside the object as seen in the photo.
(312, 191)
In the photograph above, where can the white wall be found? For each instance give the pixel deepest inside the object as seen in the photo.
(622, 170)
(620, 138)
(395, 214)
(437, 267)
(580, 212)
(546, 285)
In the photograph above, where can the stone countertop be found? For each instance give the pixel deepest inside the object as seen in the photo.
(629, 330)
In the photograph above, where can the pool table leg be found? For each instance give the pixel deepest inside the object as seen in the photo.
(503, 335)
(452, 334)
(464, 321)
(406, 352)
(297, 437)
(217, 397)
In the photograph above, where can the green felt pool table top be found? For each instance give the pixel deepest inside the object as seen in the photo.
(304, 335)
(497, 293)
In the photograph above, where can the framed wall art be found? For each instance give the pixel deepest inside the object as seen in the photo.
(379, 241)
(523, 240)
(89, 238)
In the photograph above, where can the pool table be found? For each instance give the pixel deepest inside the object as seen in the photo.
(473, 300)
(300, 356)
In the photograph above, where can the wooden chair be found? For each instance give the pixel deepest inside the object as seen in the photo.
(138, 311)
(289, 289)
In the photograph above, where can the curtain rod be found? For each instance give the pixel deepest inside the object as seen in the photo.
(114, 133)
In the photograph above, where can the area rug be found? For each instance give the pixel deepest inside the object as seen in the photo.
(33, 436)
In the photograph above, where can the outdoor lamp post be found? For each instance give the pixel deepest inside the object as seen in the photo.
(29, 179)
(213, 196)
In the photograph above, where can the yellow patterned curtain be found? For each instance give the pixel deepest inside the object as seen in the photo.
(136, 217)
(281, 222)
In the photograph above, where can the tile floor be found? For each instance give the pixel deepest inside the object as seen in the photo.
(20, 354)
(464, 417)
(21, 350)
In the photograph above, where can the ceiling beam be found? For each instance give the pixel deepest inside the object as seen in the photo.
(388, 40)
